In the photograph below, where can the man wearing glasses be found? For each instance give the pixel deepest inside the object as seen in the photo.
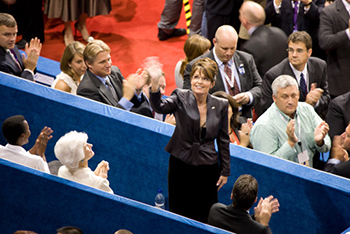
(310, 73)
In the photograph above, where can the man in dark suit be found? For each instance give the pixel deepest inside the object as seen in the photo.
(235, 217)
(338, 114)
(291, 16)
(11, 61)
(335, 38)
(309, 72)
(237, 74)
(104, 83)
(273, 40)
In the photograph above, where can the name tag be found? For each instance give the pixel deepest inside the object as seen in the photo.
(303, 158)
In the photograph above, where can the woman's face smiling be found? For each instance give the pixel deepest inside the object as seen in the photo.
(201, 84)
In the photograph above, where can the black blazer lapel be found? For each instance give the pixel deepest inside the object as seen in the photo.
(219, 85)
(241, 72)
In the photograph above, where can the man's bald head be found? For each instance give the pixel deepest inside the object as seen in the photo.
(253, 13)
(227, 32)
(225, 42)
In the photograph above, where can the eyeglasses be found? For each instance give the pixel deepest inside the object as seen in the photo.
(299, 51)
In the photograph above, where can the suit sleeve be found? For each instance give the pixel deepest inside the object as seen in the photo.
(270, 12)
(325, 98)
(223, 143)
(25, 74)
(257, 81)
(327, 39)
(163, 106)
(187, 79)
(335, 120)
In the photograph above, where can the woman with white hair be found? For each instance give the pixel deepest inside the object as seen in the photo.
(74, 152)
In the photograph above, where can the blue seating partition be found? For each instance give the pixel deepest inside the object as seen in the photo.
(311, 201)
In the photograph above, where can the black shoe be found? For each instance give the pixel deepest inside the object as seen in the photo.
(176, 33)
(21, 44)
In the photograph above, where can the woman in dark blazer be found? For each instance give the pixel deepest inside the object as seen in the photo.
(195, 175)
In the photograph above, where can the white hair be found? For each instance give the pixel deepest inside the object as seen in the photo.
(69, 149)
(282, 82)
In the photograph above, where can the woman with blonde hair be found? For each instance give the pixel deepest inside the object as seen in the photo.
(195, 46)
(74, 152)
(72, 68)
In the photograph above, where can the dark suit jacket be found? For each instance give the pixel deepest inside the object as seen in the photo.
(91, 87)
(317, 74)
(334, 20)
(250, 80)
(9, 66)
(338, 115)
(274, 43)
(342, 169)
(235, 220)
(185, 143)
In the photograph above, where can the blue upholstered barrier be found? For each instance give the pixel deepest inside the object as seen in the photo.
(33, 200)
(311, 201)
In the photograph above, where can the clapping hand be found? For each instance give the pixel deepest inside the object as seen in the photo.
(320, 133)
(102, 169)
(33, 52)
(39, 147)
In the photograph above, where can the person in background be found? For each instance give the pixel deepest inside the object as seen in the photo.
(195, 174)
(16, 131)
(69, 230)
(195, 46)
(72, 68)
(238, 127)
(74, 152)
(78, 11)
(235, 217)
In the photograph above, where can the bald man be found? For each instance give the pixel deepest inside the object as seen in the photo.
(237, 74)
(273, 40)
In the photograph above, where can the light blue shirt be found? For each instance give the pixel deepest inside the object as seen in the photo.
(269, 133)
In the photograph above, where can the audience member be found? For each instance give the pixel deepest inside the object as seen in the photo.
(171, 15)
(235, 218)
(292, 16)
(195, 46)
(104, 83)
(334, 37)
(218, 13)
(337, 155)
(123, 231)
(78, 11)
(69, 230)
(290, 129)
(309, 72)
(74, 152)
(195, 174)
(24, 232)
(72, 68)
(11, 61)
(338, 114)
(16, 131)
(238, 127)
(237, 74)
(267, 44)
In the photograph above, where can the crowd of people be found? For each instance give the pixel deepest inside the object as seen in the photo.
(299, 103)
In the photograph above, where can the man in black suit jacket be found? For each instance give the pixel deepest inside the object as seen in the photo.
(299, 63)
(241, 64)
(334, 38)
(11, 61)
(280, 13)
(104, 83)
(235, 217)
(273, 40)
(338, 114)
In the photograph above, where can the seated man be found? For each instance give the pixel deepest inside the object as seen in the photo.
(16, 132)
(104, 83)
(235, 217)
(338, 153)
(11, 60)
(290, 129)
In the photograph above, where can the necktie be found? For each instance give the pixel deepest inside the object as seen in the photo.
(303, 86)
(111, 88)
(232, 90)
(295, 16)
(13, 56)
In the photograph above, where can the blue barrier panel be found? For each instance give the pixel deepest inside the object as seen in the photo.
(134, 146)
(33, 200)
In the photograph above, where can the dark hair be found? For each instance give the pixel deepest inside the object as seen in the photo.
(235, 110)
(12, 128)
(207, 67)
(24, 232)
(301, 36)
(70, 230)
(7, 20)
(244, 192)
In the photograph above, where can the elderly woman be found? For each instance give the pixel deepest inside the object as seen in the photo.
(194, 175)
(74, 152)
(72, 68)
(239, 133)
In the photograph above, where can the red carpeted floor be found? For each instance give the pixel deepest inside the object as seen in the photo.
(131, 32)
